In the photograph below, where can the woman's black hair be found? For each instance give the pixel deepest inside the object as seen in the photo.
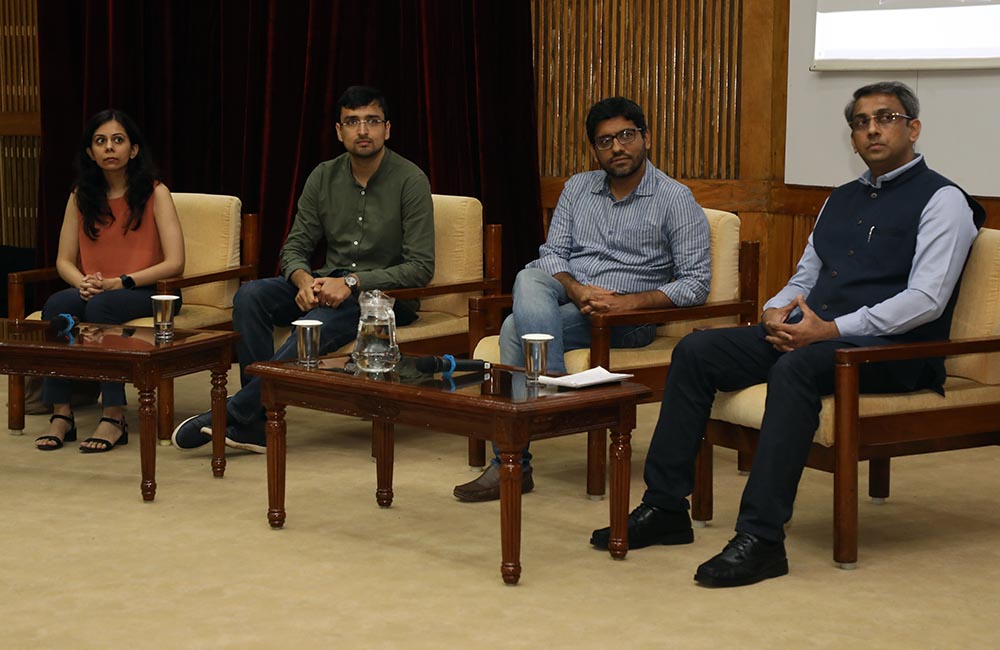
(92, 186)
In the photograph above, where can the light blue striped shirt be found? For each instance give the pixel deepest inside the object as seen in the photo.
(656, 238)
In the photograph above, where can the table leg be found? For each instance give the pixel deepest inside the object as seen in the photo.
(219, 422)
(276, 466)
(383, 435)
(621, 477)
(510, 516)
(147, 441)
(15, 404)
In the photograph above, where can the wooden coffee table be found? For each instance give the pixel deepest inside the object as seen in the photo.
(500, 408)
(130, 355)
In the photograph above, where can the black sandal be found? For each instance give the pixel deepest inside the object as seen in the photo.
(107, 445)
(69, 436)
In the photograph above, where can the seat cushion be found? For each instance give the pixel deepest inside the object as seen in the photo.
(746, 407)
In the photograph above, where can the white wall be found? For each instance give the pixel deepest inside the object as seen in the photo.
(959, 109)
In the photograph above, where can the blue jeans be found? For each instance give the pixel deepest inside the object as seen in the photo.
(542, 306)
(110, 308)
(262, 305)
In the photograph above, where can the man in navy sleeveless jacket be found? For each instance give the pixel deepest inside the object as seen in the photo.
(881, 266)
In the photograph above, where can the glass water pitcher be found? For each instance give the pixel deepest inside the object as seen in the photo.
(375, 349)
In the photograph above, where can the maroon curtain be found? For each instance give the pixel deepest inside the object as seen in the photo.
(238, 97)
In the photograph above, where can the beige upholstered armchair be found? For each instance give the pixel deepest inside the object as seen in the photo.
(732, 299)
(876, 428)
(214, 230)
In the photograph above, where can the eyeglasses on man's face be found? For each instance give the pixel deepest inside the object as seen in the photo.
(624, 137)
(882, 118)
(355, 122)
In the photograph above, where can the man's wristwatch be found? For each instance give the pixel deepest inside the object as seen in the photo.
(127, 282)
(352, 284)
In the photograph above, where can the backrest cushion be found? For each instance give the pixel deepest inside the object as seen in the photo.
(211, 225)
(724, 228)
(977, 311)
(458, 250)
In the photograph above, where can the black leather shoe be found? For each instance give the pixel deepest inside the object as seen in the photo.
(745, 560)
(648, 525)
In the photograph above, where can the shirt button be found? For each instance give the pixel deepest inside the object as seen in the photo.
(353, 265)
(850, 252)
(859, 222)
(825, 307)
(873, 195)
(362, 219)
(363, 193)
(355, 243)
(833, 274)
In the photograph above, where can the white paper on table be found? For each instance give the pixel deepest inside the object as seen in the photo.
(590, 377)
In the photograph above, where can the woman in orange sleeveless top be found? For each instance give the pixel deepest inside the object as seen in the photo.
(120, 234)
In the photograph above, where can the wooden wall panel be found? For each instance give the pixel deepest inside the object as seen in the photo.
(19, 122)
(678, 59)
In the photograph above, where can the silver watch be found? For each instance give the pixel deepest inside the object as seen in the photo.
(352, 283)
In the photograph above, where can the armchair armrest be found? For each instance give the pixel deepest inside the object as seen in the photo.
(742, 308)
(15, 287)
(901, 351)
(168, 285)
(411, 293)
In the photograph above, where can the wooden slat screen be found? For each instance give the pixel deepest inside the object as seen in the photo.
(678, 59)
(18, 115)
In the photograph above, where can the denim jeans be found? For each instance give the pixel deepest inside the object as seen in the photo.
(542, 306)
(108, 307)
(262, 305)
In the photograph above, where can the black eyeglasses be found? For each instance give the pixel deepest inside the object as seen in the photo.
(883, 118)
(355, 122)
(624, 137)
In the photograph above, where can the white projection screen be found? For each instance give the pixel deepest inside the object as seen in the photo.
(907, 34)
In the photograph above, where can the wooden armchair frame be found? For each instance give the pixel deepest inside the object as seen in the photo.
(876, 439)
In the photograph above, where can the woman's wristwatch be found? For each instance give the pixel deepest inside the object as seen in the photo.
(127, 281)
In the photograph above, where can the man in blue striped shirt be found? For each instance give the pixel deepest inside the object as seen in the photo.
(623, 238)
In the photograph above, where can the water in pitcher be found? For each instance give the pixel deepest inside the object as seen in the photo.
(375, 349)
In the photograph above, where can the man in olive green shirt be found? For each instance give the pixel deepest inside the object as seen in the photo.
(373, 209)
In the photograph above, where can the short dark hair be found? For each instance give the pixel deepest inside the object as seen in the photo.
(614, 107)
(898, 89)
(358, 96)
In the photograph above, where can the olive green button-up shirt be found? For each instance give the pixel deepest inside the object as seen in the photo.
(383, 233)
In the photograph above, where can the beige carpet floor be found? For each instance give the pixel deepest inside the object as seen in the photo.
(84, 563)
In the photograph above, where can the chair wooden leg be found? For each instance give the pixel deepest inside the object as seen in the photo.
(15, 404)
(878, 479)
(477, 453)
(165, 411)
(597, 463)
(744, 461)
(702, 500)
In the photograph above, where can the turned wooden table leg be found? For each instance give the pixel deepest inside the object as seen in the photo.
(382, 437)
(219, 422)
(165, 411)
(147, 441)
(510, 516)
(275, 429)
(15, 404)
(621, 477)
